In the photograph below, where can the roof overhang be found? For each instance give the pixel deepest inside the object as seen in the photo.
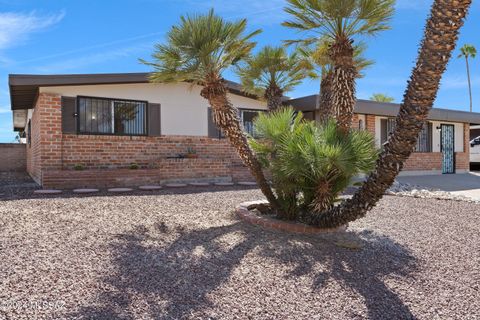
(24, 88)
(308, 103)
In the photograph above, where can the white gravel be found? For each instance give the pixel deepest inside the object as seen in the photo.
(410, 190)
(182, 254)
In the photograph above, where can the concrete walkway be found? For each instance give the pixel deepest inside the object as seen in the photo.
(466, 184)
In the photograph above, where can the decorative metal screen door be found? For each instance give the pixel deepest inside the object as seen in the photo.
(447, 143)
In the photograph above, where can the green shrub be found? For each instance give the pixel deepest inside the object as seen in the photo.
(78, 166)
(310, 164)
(134, 166)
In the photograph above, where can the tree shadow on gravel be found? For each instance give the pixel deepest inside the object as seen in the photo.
(158, 279)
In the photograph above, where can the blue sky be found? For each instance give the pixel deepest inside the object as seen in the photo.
(91, 36)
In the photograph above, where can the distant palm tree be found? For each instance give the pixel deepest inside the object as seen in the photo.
(440, 37)
(380, 97)
(270, 73)
(198, 50)
(340, 22)
(468, 51)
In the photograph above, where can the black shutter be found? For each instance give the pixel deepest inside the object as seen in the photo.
(213, 131)
(69, 110)
(153, 116)
(383, 131)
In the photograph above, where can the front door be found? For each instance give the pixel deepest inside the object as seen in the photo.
(447, 143)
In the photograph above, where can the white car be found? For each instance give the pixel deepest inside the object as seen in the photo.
(475, 151)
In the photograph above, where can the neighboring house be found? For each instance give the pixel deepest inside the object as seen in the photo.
(104, 123)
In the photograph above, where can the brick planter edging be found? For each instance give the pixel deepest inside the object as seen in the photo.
(246, 215)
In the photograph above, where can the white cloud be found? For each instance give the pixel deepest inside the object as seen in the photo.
(459, 81)
(15, 27)
(82, 62)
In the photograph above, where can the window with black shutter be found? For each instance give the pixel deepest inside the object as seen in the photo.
(112, 116)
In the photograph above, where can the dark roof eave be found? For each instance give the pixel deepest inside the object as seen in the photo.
(308, 103)
(24, 87)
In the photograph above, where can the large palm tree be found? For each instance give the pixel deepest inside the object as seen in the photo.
(468, 51)
(440, 37)
(341, 22)
(198, 50)
(315, 58)
(270, 73)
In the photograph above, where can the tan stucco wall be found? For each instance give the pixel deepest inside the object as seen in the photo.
(183, 110)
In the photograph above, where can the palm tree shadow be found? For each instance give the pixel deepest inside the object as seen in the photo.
(361, 268)
(173, 280)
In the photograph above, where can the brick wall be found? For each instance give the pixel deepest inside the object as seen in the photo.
(13, 157)
(370, 123)
(109, 152)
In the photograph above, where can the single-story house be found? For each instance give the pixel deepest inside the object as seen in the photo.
(94, 129)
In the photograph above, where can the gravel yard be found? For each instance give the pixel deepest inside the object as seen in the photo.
(183, 254)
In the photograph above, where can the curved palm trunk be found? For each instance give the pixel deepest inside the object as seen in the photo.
(225, 116)
(343, 78)
(441, 34)
(273, 95)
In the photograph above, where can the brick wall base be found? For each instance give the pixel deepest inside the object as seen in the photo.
(171, 170)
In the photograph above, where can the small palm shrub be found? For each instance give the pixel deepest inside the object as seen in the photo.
(310, 164)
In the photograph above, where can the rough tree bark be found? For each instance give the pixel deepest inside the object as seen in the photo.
(273, 95)
(440, 37)
(343, 78)
(324, 102)
(225, 115)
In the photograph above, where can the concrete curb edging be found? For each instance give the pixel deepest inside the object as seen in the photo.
(246, 215)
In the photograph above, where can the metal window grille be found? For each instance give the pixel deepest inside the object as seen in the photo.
(112, 116)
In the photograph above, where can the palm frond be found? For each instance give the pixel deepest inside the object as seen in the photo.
(271, 66)
(301, 154)
(200, 45)
(339, 18)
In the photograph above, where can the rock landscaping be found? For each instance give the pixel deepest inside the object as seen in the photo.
(409, 190)
(186, 255)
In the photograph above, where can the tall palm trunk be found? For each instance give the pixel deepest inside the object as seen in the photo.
(469, 84)
(440, 37)
(225, 116)
(343, 82)
(273, 95)
(324, 102)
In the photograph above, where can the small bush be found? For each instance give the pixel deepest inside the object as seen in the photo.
(311, 164)
(78, 167)
(134, 166)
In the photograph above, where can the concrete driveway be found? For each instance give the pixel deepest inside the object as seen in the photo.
(466, 184)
